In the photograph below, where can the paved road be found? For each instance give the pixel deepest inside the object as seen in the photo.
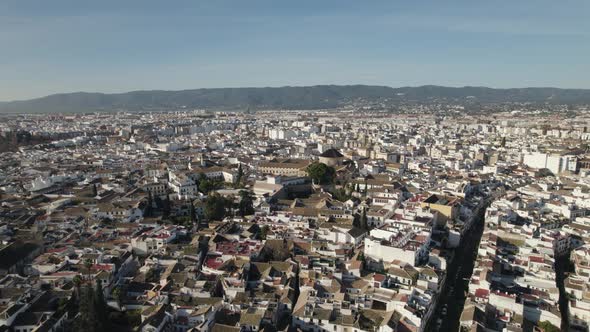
(459, 270)
(561, 264)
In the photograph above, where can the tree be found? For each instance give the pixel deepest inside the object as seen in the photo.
(356, 222)
(197, 222)
(93, 315)
(92, 311)
(149, 207)
(192, 213)
(341, 195)
(86, 320)
(150, 275)
(207, 185)
(63, 304)
(77, 286)
(133, 317)
(363, 221)
(53, 260)
(158, 201)
(321, 173)
(215, 207)
(548, 327)
(246, 205)
(239, 176)
(118, 295)
(100, 307)
(264, 232)
(87, 265)
(274, 250)
(167, 206)
(77, 282)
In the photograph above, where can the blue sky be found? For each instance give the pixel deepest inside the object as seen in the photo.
(121, 45)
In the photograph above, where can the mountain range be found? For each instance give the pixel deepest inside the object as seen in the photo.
(288, 97)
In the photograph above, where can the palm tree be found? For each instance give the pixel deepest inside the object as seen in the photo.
(87, 265)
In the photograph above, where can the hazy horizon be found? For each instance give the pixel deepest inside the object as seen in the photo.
(294, 86)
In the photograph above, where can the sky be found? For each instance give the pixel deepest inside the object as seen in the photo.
(62, 46)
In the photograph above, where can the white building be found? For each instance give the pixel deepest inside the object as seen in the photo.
(554, 162)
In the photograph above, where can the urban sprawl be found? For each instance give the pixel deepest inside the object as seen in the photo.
(425, 219)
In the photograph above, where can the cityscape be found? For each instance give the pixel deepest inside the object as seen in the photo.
(335, 220)
(294, 166)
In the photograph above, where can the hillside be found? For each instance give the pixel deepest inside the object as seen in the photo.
(309, 97)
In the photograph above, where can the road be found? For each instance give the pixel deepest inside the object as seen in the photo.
(452, 296)
(561, 266)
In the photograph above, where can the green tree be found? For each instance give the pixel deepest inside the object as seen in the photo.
(77, 286)
(246, 205)
(167, 206)
(356, 222)
(86, 319)
(216, 207)
(193, 214)
(204, 184)
(77, 282)
(207, 185)
(239, 176)
(548, 327)
(100, 307)
(321, 173)
(63, 304)
(92, 311)
(150, 275)
(264, 232)
(133, 317)
(118, 295)
(149, 207)
(363, 221)
(341, 195)
(87, 266)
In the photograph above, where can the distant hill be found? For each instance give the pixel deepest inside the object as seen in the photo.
(308, 97)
